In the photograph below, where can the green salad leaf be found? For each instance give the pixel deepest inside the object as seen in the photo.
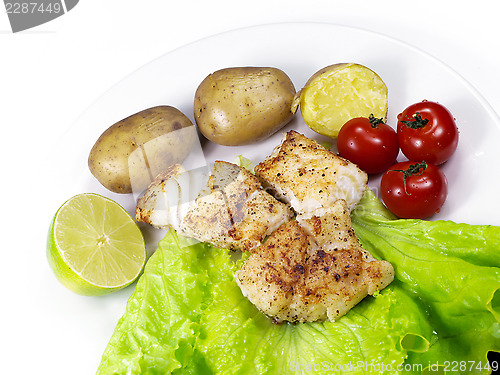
(243, 162)
(188, 316)
(450, 270)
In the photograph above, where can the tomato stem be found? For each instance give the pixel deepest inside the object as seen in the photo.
(417, 122)
(413, 170)
(375, 122)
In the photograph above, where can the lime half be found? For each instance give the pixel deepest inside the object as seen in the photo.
(94, 246)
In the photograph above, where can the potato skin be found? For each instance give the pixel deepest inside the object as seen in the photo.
(243, 105)
(130, 153)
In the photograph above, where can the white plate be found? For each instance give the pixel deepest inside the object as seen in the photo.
(299, 49)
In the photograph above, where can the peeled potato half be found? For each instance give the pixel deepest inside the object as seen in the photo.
(338, 93)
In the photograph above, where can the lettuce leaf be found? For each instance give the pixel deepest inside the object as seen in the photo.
(450, 270)
(157, 332)
(188, 316)
(235, 338)
(243, 162)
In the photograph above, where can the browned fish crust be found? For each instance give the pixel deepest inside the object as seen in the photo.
(310, 269)
(307, 175)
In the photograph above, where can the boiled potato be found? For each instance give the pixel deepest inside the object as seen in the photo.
(338, 93)
(130, 153)
(238, 106)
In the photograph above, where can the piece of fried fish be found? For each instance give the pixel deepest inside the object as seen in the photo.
(232, 211)
(306, 175)
(312, 269)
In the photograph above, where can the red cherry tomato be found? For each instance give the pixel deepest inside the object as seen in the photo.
(414, 190)
(369, 143)
(427, 131)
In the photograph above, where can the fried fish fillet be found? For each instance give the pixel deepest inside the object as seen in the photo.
(308, 176)
(312, 269)
(160, 205)
(232, 211)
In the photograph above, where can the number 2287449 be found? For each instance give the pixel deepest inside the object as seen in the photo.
(463, 367)
(33, 7)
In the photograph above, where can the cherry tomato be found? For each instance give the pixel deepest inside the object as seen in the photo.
(427, 131)
(414, 190)
(369, 143)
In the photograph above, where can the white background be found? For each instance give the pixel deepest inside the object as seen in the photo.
(50, 74)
